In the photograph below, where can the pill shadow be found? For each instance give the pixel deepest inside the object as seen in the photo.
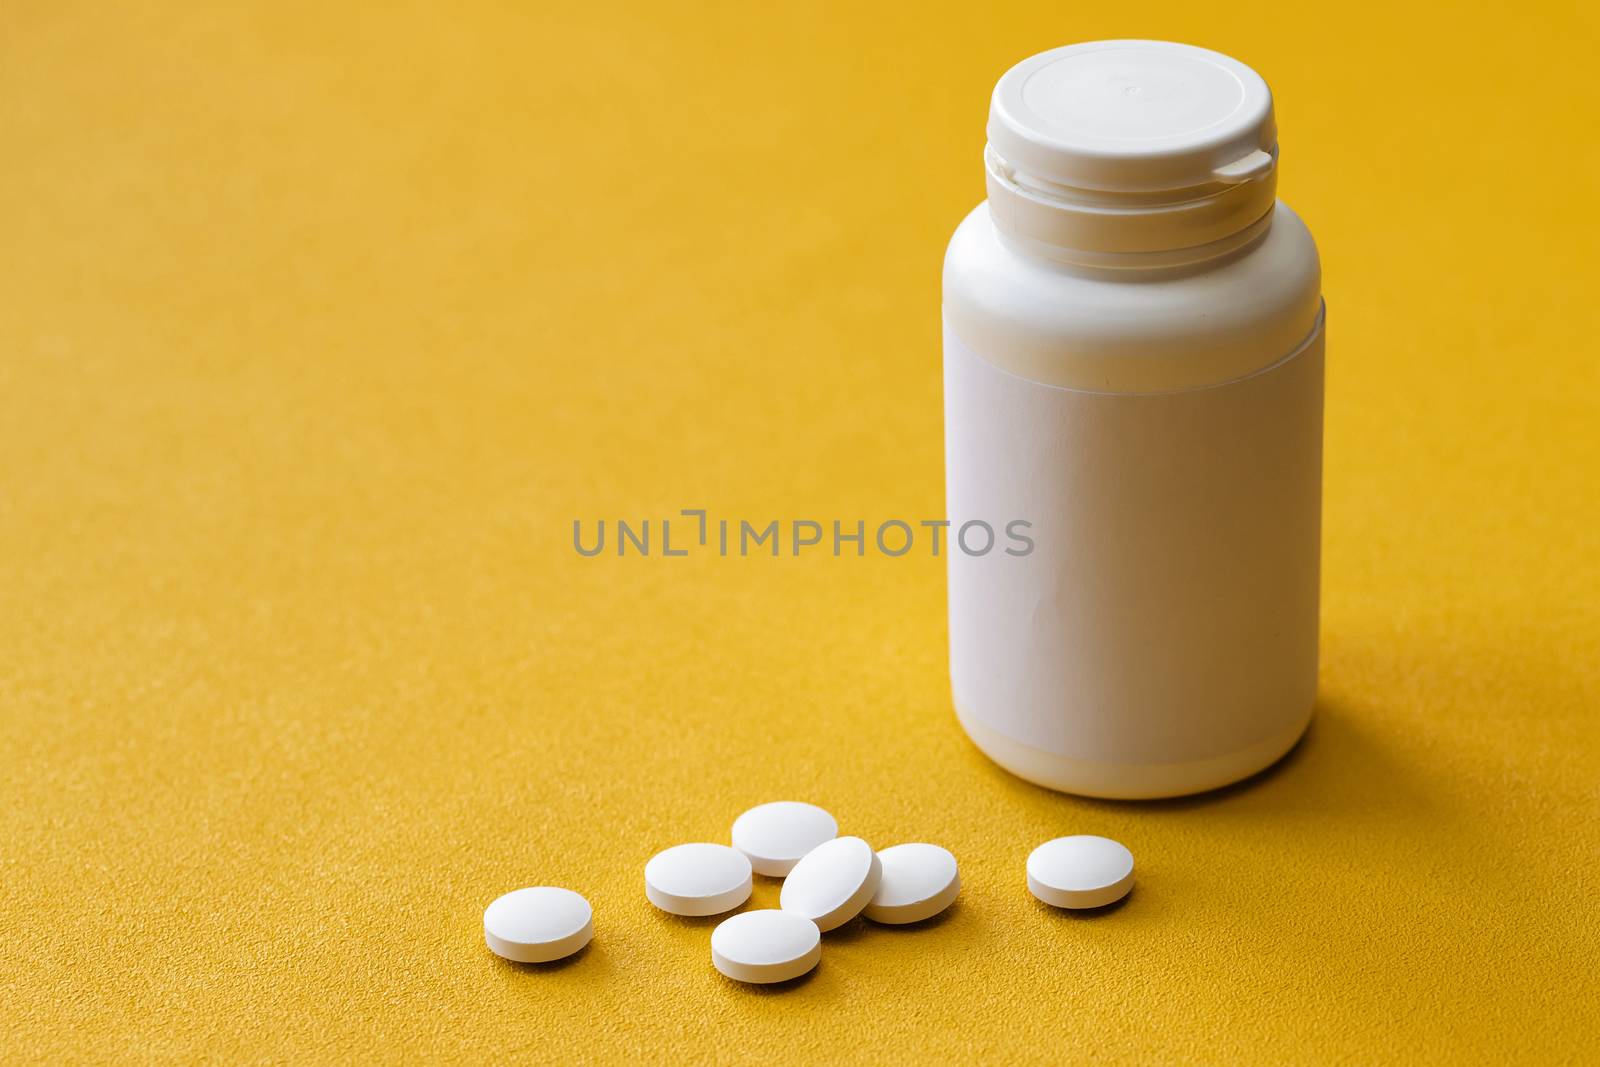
(1084, 914)
(932, 922)
(770, 989)
(847, 934)
(700, 921)
(550, 967)
(861, 927)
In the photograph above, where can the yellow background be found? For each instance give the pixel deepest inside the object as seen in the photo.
(318, 327)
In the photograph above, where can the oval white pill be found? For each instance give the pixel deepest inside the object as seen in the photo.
(774, 836)
(919, 881)
(1083, 871)
(765, 946)
(697, 879)
(538, 925)
(833, 882)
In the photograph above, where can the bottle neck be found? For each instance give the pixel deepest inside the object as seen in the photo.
(1130, 231)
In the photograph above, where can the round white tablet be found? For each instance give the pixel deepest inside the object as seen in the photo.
(774, 836)
(538, 925)
(919, 881)
(698, 879)
(765, 946)
(833, 882)
(1080, 872)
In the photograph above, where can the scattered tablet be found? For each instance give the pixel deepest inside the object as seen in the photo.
(774, 836)
(833, 882)
(538, 925)
(765, 946)
(697, 879)
(829, 880)
(1080, 872)
(919, 881)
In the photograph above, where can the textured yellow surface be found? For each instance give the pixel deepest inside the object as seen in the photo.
(319, 327)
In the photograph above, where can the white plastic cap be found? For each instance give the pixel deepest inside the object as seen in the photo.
(1134, 116)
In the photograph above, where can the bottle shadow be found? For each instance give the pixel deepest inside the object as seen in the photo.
(1329, 740)
(1297, 754)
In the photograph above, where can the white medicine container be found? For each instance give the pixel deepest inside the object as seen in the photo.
(1133, 350)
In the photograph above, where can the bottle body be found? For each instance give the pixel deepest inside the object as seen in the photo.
(1160, 431)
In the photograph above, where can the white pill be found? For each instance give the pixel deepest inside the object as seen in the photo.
(774, 836)
(919, 881)
(698, 879)
(833, 882)
(1080, 872)
(765, 946)
(538, 925)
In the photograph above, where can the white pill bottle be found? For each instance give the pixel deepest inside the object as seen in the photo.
(1133, 351)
